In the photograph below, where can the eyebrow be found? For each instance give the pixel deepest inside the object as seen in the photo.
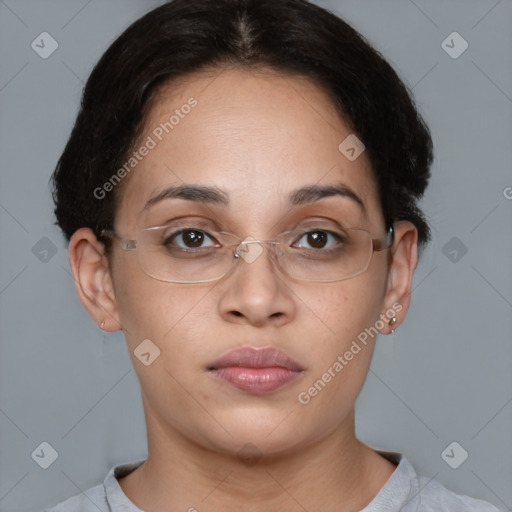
(312, 193)
(213, 195)
(201, 193)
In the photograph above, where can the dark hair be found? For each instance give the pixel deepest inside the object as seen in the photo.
(294, 36)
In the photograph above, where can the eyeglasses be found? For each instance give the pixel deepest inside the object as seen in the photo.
(190, 254)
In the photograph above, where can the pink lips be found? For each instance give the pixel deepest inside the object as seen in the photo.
(256, 370)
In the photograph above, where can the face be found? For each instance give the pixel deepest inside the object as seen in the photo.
(255, 138)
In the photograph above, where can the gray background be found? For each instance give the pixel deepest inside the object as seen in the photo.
(444, 376)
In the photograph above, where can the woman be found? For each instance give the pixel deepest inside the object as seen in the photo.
(240, 194)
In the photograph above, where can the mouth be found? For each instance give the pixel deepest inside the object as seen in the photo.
(255, 370)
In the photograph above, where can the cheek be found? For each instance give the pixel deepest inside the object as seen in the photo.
(150, 309)
(342, 310)
(340, 322)
(169, 316)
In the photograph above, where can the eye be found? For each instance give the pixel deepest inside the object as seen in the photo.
(190, 238)
(319, 239)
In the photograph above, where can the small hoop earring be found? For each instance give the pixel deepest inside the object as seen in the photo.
(392, 322)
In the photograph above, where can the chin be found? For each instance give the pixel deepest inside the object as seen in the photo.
(257, 434)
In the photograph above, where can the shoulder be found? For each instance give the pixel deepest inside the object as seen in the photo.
(434, 497)
(92, 500)
(105, 497)
(407, 491)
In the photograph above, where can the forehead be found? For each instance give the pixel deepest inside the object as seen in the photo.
(255, 135)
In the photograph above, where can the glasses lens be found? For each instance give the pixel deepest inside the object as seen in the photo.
(322, 256)
(185, 255)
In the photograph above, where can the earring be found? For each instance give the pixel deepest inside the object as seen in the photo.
(392, 322)
(102, 324)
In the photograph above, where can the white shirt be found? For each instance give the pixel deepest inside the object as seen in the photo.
(404, 491)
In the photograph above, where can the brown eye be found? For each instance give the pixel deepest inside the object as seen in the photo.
(189, 239)
(317, 239)
(192, 238)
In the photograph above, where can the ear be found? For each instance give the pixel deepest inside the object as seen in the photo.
(403, 261)
(93, 281)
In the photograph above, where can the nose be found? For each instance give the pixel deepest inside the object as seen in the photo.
(256, 292)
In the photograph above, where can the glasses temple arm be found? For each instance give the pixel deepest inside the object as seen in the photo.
(379, 244)
(127, 245)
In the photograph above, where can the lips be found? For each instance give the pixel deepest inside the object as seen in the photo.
(256, 370)
(249, 357)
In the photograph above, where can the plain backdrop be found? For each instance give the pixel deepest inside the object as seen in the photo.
(443, 377)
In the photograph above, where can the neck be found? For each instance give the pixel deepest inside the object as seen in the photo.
(337, 473)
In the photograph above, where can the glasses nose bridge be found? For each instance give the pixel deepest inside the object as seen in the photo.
(250, 249)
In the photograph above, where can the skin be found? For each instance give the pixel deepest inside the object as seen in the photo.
(256, 135)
